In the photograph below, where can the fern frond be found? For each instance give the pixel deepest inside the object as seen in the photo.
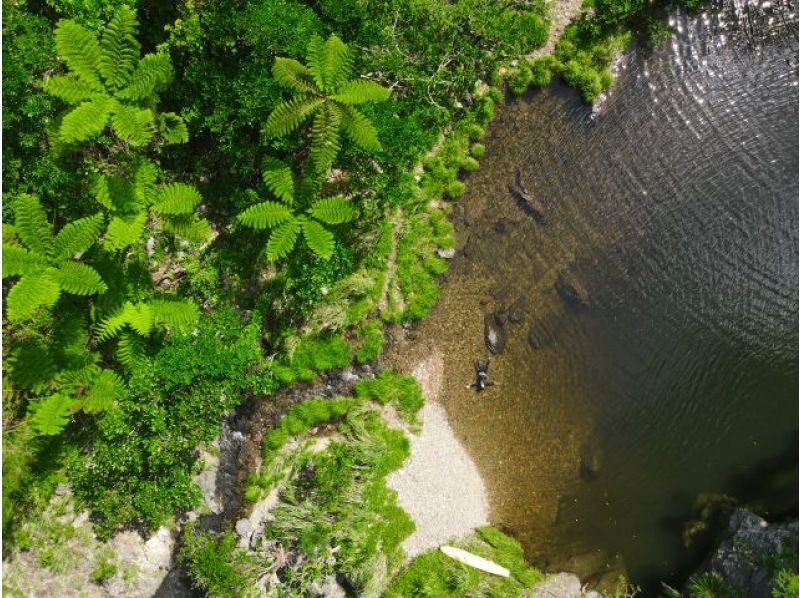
(332, 210)
(266, 214)
(76, 237)
(177, 198)
(287, 116)
(180, 314)
(144, 183)
(71, 89)
(318, 238)
(87, 120)
(290, 73)
(31, 366)
(104, 389)
(130, 350)
(123, 232)
(133, 125)
(31, 293)
(360, 92)
(102, 193)
(111, 325)
(172, 128)
(31, 226)
(119, 49)
(283, 239)
(315, 59)
(51, 415)
(325, 137)
(18, 261)
(359, 128)
(153, 71)
(278, 178)
(191, 228)
(139, 317)
(77, 379)
(79, 279)
(9, 234)
(79, 49)
(337, 65)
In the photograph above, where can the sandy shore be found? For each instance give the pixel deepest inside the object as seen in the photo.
(439, 486)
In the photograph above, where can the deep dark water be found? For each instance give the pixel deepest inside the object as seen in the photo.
(677, 206)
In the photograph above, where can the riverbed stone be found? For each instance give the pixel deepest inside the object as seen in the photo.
(573, 291)
(494, 334)
(446, 254)
(561, 585)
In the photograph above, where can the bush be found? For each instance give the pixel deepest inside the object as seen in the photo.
(456, 189)
(478, 150)
(519, 82)
(542, 71)
(470, 164)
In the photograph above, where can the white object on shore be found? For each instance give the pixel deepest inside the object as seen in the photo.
(473, 560)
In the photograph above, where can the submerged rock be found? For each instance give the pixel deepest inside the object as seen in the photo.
(562, 585)
(589, 467)
(572, 290)
(538, 337)
(494, 333)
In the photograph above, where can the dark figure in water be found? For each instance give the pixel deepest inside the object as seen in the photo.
(481, 376)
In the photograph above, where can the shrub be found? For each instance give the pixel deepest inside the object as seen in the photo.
(542, 71)
(478, 150)
(470, 164)
(519, 82)
(456, 189)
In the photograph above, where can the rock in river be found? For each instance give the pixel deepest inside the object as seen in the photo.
(494, 333)
(572, 290)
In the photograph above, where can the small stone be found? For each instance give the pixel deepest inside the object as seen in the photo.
(324, 291)
(61, 490)
(446, 254)
(348, 376)
(244, 528)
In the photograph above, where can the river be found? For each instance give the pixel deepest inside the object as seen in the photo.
(676, 207)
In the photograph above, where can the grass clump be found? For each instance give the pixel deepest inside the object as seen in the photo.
(433, 574)
(398, 390)
(370, 341)
(103, 571)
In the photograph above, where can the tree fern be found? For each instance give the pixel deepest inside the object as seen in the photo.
(119, 49)
(134, 126)
(278, 178)
(104, 389)
(265, 215)
(77, 237)
(323, 89)
(108, 82)
(30, 224)
(332, 210)
(283, 239)
(18, 261)
(30, 294)
(130, 350)
(87, 120)
(318, 238)
(79, 279)
(174, 313)
(51, 415)
(124, 232)
(177, 198)
(143, 316)
(191, 228)
(31, 365)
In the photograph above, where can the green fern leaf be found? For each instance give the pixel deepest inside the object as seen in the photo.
(79, 279)
(77, 379)
(337, 65)
(193, 229)
(31, 365)
(79, 49)
(152, 72)
(359, 128)
(172, 128)
(76, 237)
(315, 59)
(134, 126)
(278, 178)
(283, 239)
(361, 92)
(123, 232)
(144, 183)
(325, 137)
(332, 210)
(31, 293)
(31, 226)
(179, 314)
(318, 238)
(102, 192)
(290, 73)
(18, 261)
(51, 415)
(177, 198)
(71, 89)
(139, 317)
(119, 50)
(130, 350)
(287, 116)
(264, 215)
(87, 120)
(111, 325)
(104, 389)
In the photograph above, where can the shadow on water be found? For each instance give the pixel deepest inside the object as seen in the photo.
(674, 214)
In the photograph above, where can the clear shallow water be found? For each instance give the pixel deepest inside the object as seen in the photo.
(677, 207)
